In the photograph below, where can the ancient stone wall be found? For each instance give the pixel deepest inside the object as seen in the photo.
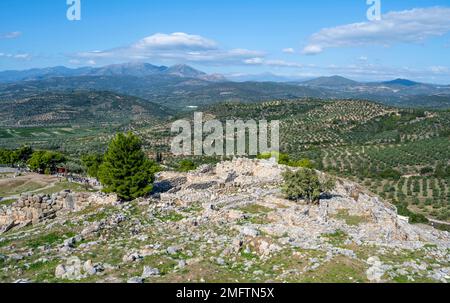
(33, 209)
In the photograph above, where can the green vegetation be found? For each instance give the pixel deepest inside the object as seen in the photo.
(15, 157)
(186, 165)
(126, 170)
(349, 219)
(284, 159)
(403, 210)
(402, 155)
(92, 164)
(305, 184)
(45, 161)
(38, 161)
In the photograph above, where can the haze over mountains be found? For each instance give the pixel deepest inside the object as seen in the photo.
(126, 69)
(182, 86)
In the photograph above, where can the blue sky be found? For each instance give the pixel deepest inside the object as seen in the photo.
(289, 38)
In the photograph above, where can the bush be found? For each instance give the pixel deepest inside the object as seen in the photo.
(390, 173)
(126, 170)
(426, 171)
(186, 165)
(402, 209)
(304, 163)
(305, 184)
(442, 171)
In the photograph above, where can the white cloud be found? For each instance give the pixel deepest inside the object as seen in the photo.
(409, 26)
(11, 35)
(289, 50)
(312, 49)
(175, 41)
(23, 56)
(176, 47)
(254, 61)
(273, 63)
(439, 69)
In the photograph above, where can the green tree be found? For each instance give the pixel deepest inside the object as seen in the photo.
(23, 154)
(6, 157)
(92, 164)
(305, 184)
(45, 161)
(442, 171)
(126, 170)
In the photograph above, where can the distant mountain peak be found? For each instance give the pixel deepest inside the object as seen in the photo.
(330, 81)
(403, 82)
(183, 70)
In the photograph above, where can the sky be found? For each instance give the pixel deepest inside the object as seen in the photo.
(237, 38)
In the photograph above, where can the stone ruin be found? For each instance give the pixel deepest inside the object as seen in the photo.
(35, 208)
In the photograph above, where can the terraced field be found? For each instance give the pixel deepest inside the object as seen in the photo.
(72, 139)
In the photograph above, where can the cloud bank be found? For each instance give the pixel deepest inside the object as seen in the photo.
(409, 26)
(11, 35)
(175, 47)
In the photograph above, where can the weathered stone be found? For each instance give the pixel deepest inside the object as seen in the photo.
(135, 280)
(149, 272)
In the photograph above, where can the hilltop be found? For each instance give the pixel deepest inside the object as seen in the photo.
(223, 223)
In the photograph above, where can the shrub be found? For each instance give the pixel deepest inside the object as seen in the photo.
(390, 173)
(304, 163)
(186, 165)
(426, 171)
(305, 184)
(126, 170)
(402, 209)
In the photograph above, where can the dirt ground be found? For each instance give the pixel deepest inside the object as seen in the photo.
(30, 182)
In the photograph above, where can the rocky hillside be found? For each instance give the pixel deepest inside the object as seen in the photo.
(227, 223)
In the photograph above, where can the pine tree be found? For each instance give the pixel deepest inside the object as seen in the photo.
(126, 170)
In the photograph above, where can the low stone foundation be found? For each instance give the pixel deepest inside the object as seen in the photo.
(33, 209)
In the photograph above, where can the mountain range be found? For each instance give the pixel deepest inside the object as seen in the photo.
(181, 86)
(126, 69)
